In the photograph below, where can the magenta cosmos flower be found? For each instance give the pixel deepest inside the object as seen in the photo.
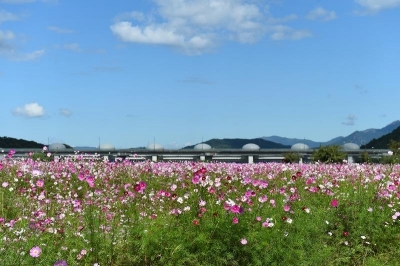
(334, 203)
(35, 252)
(60, 263)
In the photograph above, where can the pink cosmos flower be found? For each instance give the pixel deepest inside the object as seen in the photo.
(334, 203)
(90, 181)
(40, 183)
(35, 252)
(235, 220)
(81, 176)
(243, 241)
(286, 208)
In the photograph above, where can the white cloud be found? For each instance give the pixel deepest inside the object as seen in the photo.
(322, 14)
(30, 110)
(161, 35)
(197, 26)
(350, 121)
(7, 16)
(281, 32)
(60, 30)
(65, 112)
(373, 6)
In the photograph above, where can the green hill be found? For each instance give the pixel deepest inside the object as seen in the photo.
(383, 142)
(7, 142)
(239, 143)
(13, 143)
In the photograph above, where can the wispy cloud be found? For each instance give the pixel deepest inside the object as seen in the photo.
(321, 14)
(72, 47)
(29, 110)
(6, 35)
(281, 32)
(8, 50)
(27, 56)
(282, 19)
(374, 6)
(65, 112)
(198, 26)
(7, 16)
(60, 30)
(350, 120)
(5, 42)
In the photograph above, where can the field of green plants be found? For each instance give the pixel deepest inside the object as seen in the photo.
(78, 212)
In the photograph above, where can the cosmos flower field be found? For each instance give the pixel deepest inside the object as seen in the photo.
(80, 212)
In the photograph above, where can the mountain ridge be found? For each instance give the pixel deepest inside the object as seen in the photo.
(358, 137)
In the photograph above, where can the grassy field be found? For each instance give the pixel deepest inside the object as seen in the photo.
(96, 213)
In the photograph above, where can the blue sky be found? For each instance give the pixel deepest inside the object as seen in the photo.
(182, 71)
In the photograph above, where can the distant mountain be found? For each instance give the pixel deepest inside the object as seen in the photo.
(383, 142)
(289, 141)
(7, 142)
(357, 137)
(365, 136)
(239, 143)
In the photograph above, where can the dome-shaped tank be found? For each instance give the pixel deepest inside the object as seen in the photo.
(154, 147)
(107, 147)
(350, 146)
(251, 147)
(299, 147)
(57, 147)
(202, 146)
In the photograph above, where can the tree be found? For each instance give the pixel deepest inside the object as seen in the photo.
(394, 146)
(365, 158)
(291, 157)
(329, 154)
(394, 153)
